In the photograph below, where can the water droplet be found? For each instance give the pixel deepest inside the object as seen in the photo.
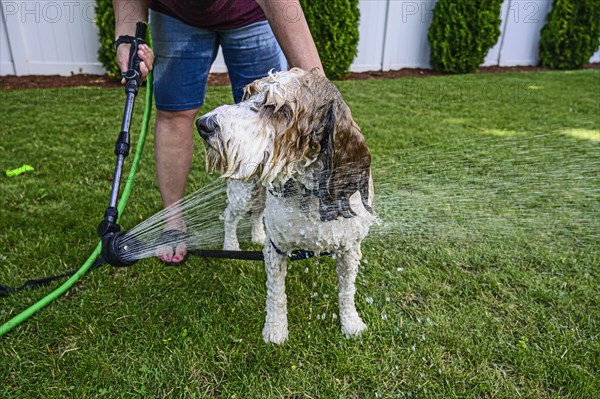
(369, 300)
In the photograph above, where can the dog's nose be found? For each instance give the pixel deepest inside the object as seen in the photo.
(206, 126)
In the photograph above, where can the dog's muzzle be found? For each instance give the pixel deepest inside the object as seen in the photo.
(207, 126)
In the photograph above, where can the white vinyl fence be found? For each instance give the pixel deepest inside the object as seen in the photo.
(48, 37)
(40, 37)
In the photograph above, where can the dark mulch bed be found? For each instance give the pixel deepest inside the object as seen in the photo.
(221, 79)
(417, 72)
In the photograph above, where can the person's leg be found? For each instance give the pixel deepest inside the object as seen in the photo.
(183, 56)
(173, 154)
(250, 53)
(174, 150)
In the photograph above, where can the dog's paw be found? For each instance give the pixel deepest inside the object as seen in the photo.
(275, 333)
(258, 235)
(231, 245)
(352, 326)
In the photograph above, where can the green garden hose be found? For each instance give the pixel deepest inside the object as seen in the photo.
(26, 314)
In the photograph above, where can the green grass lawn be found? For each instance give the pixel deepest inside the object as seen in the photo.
(481, 280)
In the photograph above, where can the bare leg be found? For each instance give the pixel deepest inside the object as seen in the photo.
(347, 268)
(275, 329)
(173, 153)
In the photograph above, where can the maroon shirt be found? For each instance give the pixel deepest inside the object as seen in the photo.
(211, 14)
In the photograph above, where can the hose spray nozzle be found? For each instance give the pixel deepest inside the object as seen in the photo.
(116, 248)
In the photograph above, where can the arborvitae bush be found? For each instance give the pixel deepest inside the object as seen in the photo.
(105, 21)
(334, 27)
(462, 32)
(571, 35)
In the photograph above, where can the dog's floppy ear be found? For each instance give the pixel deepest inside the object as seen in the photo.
(347, 163)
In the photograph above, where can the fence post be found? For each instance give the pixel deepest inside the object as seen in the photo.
(14, 32)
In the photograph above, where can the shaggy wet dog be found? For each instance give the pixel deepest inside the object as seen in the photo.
(292, 144)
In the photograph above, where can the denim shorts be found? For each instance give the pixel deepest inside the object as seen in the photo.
(184, 55)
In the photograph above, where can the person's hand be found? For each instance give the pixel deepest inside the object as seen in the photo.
(146, 59)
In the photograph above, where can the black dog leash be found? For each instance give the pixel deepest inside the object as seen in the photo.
(34, 283)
